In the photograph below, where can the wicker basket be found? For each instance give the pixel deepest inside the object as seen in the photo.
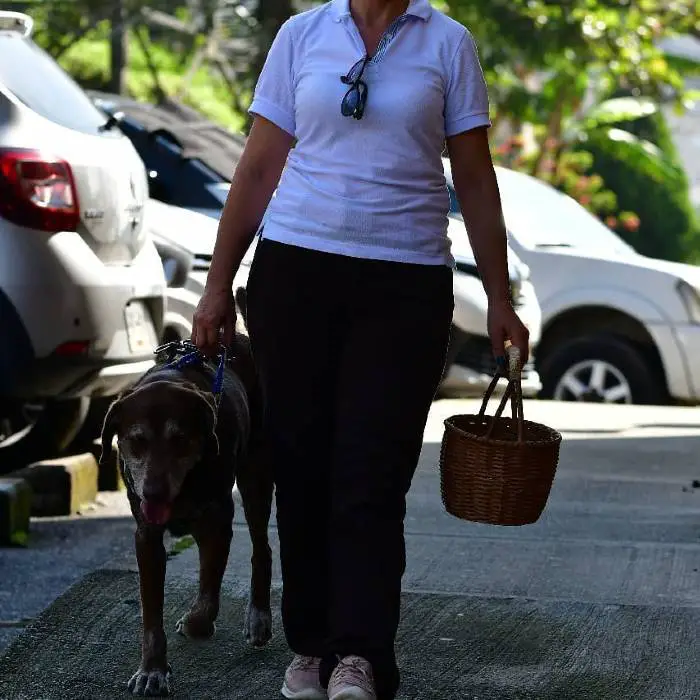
(498, 470)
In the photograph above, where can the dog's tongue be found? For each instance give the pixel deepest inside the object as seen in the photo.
(155, 512)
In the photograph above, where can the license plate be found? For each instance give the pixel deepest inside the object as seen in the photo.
(138, 327)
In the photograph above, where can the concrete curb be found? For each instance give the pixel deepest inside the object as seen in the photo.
(109, 477)
(15, 511)
(61, 486)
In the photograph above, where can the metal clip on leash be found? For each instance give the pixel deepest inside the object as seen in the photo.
(218, 386)
(179, 354)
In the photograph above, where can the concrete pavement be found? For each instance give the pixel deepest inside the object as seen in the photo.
(61, 551)
(600, 600)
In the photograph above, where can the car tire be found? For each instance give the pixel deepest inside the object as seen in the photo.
(630, 376)
(48, 435)
(91, 428)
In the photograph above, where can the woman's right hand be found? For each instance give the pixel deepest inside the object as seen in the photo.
(214, 319)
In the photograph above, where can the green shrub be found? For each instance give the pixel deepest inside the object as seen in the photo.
(646, 182)
(654, 128)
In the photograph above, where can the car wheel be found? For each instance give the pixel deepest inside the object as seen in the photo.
(31, 431)
(600, 369)
(91, 428)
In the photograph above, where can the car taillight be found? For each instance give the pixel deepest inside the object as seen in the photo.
(72, 348)
(37, 191)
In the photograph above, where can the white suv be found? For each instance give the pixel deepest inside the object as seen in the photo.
(617, 326)
(82, 290)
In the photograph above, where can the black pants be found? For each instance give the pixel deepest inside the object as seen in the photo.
(350, 353)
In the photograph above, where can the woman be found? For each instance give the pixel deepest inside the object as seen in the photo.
(350, 303)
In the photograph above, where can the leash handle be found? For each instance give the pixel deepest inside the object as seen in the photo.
(513, 392)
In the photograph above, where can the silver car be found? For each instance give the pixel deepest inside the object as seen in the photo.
(82, 290)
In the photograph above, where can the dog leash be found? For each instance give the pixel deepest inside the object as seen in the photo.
(179, 354)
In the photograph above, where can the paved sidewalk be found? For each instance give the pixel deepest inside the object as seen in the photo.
(600, 600)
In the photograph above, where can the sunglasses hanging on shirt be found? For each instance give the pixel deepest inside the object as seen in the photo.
(355, 99)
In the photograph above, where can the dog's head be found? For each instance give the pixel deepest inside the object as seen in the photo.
(164, 429)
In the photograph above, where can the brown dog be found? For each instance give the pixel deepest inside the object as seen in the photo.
(181, 447)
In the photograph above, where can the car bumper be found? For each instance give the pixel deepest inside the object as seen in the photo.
(465, 382)
(474, 367)
(68, 378)
(688, 340)
(679, 350)
(76, 299)
(181, 305)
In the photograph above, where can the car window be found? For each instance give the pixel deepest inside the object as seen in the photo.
(540, 216)
(36, 80)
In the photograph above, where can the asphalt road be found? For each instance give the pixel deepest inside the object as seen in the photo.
(600, 600)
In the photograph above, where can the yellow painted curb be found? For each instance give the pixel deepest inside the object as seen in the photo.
(61, 486)
(15, 509)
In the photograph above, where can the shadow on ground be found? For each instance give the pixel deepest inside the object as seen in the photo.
(86, 646)
(60, 552)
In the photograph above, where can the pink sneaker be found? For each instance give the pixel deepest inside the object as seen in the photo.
(352, 679)
(301, 680)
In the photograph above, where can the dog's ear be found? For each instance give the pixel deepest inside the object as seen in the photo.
(212, 415)
(110, 426)
(109, 429)
(207, 402)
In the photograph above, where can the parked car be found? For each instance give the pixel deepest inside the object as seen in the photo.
(185, 241)
(617, 327)
(190, 161)
(82, 288)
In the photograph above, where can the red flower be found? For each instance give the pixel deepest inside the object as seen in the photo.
(631, 222)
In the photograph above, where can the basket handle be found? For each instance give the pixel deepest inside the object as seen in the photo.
(513, 392)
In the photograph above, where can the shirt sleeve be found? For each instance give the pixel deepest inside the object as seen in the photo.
(466, 99)
(274, 92)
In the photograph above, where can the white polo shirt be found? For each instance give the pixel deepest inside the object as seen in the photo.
(373, 187)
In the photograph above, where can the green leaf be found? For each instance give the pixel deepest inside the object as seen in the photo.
(626, 147)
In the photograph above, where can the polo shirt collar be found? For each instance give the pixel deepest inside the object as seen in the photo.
(422, 9)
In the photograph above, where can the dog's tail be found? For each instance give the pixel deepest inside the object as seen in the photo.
(241, 297)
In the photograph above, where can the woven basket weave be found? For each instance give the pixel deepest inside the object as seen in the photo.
(498, 470)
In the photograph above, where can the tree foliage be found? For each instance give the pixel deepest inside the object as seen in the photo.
(542, 56)
(553, 67)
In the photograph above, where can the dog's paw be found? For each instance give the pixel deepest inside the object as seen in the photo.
(196, 625)
(151, 684)
(258, 626)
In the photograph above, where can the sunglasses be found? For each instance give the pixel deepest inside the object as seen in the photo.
(353, 104)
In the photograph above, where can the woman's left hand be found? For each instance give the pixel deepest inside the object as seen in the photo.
(503, 325)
